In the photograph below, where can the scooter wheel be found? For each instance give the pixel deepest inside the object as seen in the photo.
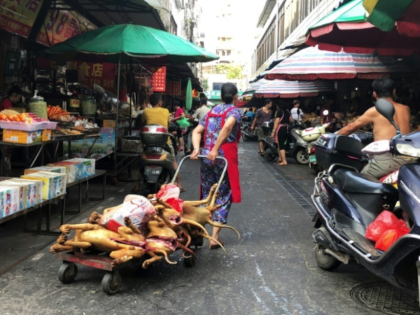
(302, 157)
(245, 137)
(324, 261)
(269, 156)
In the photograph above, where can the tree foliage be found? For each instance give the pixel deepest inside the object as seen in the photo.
(232, 71)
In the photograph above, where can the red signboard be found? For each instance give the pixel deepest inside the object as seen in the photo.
(18, 16)
(102, 74)
(158, 80)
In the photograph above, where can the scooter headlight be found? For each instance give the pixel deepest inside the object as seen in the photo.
(409, 150)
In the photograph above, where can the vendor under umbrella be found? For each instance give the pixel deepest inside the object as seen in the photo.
(13, 97)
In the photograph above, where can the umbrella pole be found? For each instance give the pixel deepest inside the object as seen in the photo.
(116, 118)
(131, 96)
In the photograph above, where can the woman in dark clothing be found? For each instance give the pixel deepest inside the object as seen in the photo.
(281, 131)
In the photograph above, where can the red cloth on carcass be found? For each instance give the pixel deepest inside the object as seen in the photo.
(170, 194)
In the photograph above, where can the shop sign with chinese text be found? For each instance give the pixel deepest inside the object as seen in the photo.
(158, 80)
(102, 74)
(18, 16)
(61, 25)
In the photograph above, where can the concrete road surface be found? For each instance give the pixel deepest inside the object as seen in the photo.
(270, 270)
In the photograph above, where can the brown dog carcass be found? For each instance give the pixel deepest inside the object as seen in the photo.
(195, 215)
(123, 246)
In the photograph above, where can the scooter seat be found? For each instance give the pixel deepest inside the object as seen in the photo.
(354, 182)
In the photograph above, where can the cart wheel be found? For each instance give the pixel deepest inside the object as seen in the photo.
(67, 272)
(111, 282)
(190, 262)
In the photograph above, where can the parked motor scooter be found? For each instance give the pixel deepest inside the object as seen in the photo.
(296, 145)
(157, 162)
(326, 128)
(247, 133)
(347, 202)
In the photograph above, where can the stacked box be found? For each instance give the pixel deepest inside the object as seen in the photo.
(9, 200)
(54, 169)
(88, 166)
(54, 183)
(23, 193)
(74, 170)
(34, 190)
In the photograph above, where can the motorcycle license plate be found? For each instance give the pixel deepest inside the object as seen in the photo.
(153, 170)
(312, 158)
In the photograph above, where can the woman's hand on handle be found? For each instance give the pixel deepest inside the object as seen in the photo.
(213, 154)
(194, 154)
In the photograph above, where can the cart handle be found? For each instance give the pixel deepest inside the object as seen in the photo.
(203, 157)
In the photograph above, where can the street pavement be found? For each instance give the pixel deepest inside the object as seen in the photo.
(270, 270)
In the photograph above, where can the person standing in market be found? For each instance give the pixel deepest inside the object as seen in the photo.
(179, 113)
(281, 131)
(296, 111)
(263, 115)
(199, 114)
(13, 97)
(221, 131)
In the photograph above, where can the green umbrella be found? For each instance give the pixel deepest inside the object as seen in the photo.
(385, 13)
(188, 96)
(110, 43)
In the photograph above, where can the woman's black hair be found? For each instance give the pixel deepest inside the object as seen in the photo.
(228, 90)
(268, 101)
(14, 90)
(176, 103)
(282, 106)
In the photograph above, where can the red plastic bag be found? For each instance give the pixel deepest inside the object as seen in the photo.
(385, 221)
(390, 237)
(170, 194)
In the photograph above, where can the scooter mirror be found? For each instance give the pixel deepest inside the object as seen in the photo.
(387, 110)
(325, 112)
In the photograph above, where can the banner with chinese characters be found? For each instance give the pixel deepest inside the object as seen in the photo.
(102, 74)
(60, 25)
(18, 16)
(158, 79)
(173, 88)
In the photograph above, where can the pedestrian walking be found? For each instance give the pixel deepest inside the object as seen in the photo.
(281, 131)
(221, 131)
(296, 111)
(263, 115)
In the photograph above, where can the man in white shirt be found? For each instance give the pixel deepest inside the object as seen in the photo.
(199, 114)
(296, 111)
(202, 111)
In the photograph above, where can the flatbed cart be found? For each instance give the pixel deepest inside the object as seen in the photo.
(111, 281)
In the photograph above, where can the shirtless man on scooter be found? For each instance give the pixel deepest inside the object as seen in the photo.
(386, 163)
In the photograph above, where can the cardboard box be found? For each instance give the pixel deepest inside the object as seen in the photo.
(23, 193)
(88, 166)
(9, 200)
(109, 123)
(24, 137)
(54, 169)
(74, 170)
(46, 135)
(34, 190)
(54, 183)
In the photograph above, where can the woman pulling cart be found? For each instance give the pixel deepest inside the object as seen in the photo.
(220, 129)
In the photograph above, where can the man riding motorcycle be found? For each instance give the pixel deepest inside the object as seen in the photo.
(385, 163)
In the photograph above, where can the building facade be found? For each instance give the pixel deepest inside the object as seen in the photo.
(284, 24)
(222, 40)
